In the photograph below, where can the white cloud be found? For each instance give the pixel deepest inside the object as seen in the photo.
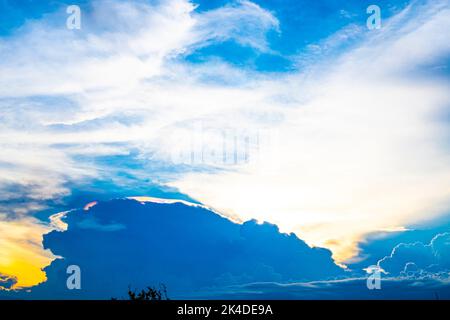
(360, 141)
(69, 93)
(122, 65)
(365, 150)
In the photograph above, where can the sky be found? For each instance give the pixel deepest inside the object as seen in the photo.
(293, 113)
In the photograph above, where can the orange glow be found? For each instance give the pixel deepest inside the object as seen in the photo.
(22, 255)
(89, 205)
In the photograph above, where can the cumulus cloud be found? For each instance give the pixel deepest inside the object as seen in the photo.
(68, 97)
(419, 259)
(187, 247)
(360, 141)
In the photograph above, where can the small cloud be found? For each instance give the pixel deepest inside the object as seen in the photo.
(346, 14)
(7, 282)
(89, 205)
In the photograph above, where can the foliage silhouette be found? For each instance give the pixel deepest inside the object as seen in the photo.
(149, 294)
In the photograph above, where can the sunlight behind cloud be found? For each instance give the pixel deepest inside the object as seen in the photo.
(365, 152)
(360, 143)
(21, 252)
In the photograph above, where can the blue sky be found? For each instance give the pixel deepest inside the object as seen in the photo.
(299, 29)
(290, 112)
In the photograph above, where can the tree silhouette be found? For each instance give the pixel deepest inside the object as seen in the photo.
(149, 294)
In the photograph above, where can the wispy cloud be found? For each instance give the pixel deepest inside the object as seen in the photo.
(344, 289)
(69, 96)
(362, 143)
(415, 259)
(361, 140)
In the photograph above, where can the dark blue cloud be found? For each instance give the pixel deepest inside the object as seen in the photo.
(192, 250)
(199, 254)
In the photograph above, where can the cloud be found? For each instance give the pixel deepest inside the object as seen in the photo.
(226, 23)
(22, 256)
(419, 259)
(68, 98)
(189, 248)
(378, 245)
(115, 94)
(123, 44)
(358, 142)
(361, 140)
(346, 289)
(7, 282)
